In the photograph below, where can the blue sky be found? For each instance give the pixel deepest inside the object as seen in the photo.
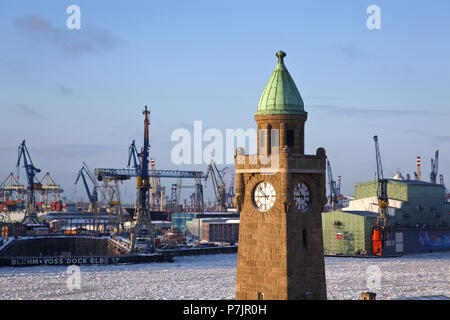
(77, 95)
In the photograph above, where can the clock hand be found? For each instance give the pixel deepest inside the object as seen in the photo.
(264, 194)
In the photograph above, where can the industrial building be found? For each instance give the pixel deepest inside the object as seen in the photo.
(208, 226)
(418, 219)
(221, 231)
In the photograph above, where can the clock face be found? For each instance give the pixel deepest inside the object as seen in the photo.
(264, 196)
(302, 197)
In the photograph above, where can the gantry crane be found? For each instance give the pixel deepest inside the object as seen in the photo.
(125, 174)
(12, 190)
(434, 168)
(219, 186)
(12, 193)
(111, 196)
(379, 232)
(50, 187)
(33, 184)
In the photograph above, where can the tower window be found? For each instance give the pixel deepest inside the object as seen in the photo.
(290, 138)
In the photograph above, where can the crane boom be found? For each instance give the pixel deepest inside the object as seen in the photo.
(219, 188)
(93, 198)
(333, 192)
(379, 233)
(382, 183)
(133, 154)
(81, 174)
(380, 175)
(31, 170)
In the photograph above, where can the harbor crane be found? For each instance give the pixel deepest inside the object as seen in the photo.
(379, 233)
(143, 227)
(218, 184)
(156, 189)
(333, 198)
(110, 194)
(434, 168)
(230, 194)
(92, 196)
(133, 154)
(33, 184)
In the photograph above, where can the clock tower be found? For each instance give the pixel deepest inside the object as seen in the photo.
(280, 193)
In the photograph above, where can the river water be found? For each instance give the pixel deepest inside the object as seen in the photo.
(213, 277)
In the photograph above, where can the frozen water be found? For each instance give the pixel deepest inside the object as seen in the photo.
(213, 277)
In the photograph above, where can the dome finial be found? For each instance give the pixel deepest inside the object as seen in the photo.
(280, 95)
(280, 54)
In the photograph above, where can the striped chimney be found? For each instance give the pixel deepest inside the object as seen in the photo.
(418, 167)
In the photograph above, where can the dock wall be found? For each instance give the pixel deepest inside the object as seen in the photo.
(59, 246)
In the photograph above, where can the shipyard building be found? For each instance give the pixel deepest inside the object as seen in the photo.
(418, 220)
(207, 226)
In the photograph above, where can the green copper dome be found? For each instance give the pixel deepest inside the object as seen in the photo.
(280, 96)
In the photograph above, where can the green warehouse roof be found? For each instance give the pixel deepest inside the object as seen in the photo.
(280, 96)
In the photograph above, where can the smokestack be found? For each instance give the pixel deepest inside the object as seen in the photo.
(418, 168)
